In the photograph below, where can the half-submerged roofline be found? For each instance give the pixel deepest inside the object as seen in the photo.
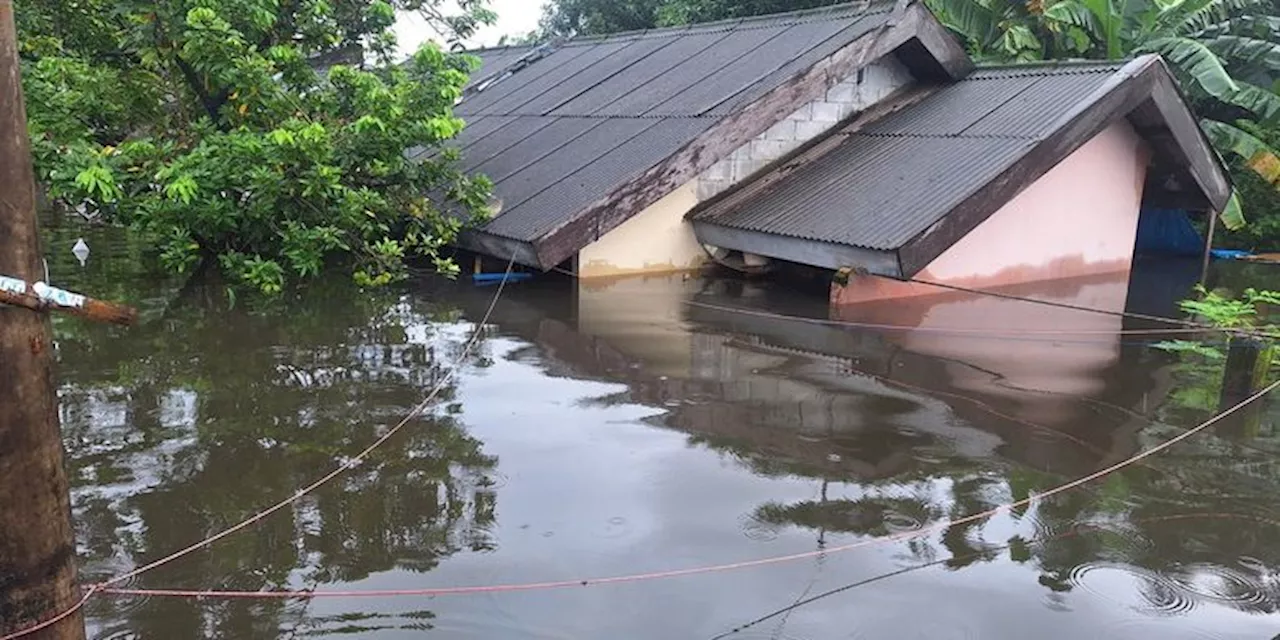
(910, 33)
(757, 218)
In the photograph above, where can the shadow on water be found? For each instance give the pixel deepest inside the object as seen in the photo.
(642, 425)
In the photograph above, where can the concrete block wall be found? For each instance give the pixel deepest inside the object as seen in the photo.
(872, 84)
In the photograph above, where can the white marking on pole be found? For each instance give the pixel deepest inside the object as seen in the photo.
(60, 297)
(13, 285)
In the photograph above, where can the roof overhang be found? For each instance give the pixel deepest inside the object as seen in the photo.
(827, 255)
(518, 251)
(911, 33)
(1143, 90)
(1186, 172)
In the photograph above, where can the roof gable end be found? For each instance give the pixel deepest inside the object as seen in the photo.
(967, 149)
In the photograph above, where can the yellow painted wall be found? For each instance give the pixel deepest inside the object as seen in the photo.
(657, 240)
(641, 315)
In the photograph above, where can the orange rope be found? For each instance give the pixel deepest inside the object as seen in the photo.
(341, 469)
(674, 573)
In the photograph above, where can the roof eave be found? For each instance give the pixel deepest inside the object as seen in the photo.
(519, 252)
(817, 253)
(1203, 161)
(1142, 79)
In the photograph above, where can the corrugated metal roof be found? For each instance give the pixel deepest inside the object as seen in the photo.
(555, 204)
(554, 168)
(893, 179)
(495, 61)
(744, 71)
(537, 146)
(818, 48)
(557, 128)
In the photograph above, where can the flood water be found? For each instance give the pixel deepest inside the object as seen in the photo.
(638, 427)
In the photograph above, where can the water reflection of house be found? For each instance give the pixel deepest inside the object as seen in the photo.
(856, 139)
(791, 390)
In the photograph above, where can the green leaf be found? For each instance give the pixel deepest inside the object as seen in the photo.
(182, 189)
(1243, 53)
(1232, 215)
(1263, 104)
(1197, 62)
(1256, 154)
(1075, 14)
(1109, 25)
(1188, 346)
(98, 182)
(1261, 27)
(204, 127)
(1190, 16)
(969, 17)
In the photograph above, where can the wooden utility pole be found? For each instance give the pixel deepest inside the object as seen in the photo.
(37, 544)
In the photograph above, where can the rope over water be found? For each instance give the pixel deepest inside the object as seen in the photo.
(296, 496)
(106, 587)
(674, 573)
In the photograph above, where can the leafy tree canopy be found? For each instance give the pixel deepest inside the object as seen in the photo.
(270, 137)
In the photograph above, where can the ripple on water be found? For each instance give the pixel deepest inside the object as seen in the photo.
(1122, 541)
(897, 522)
(1158, 628)
(925, 458)
(116, 607)
(756, 529)
(1221, 584)
(1133, 587)
(897, 626)
(616, 527)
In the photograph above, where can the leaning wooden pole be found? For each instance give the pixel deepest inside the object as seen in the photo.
(37, 545)
(1208, 248)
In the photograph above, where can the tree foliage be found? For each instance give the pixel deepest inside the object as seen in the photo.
(1259, 195)
(268, 136)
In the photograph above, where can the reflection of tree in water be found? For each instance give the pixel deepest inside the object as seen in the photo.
(1130, 520)
(1181, 548)
(204, 415)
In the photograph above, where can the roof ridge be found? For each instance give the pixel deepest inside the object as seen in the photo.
(501, 47)
(1041, 67)
(868, 7)
(938, 136)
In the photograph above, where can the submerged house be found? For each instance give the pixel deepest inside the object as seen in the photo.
(857, 139)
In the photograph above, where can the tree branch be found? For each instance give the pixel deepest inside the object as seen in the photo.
(210, 104)
(193, 80)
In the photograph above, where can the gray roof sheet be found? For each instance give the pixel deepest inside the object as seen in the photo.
(894, 178)
(557, 128)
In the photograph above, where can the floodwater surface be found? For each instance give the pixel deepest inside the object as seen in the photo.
(640, 427)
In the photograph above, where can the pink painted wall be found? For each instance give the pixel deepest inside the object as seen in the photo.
(1079, 219)
(997, 345)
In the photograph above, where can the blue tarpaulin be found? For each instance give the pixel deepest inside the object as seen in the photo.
(1167, 232)
(1229, 254)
